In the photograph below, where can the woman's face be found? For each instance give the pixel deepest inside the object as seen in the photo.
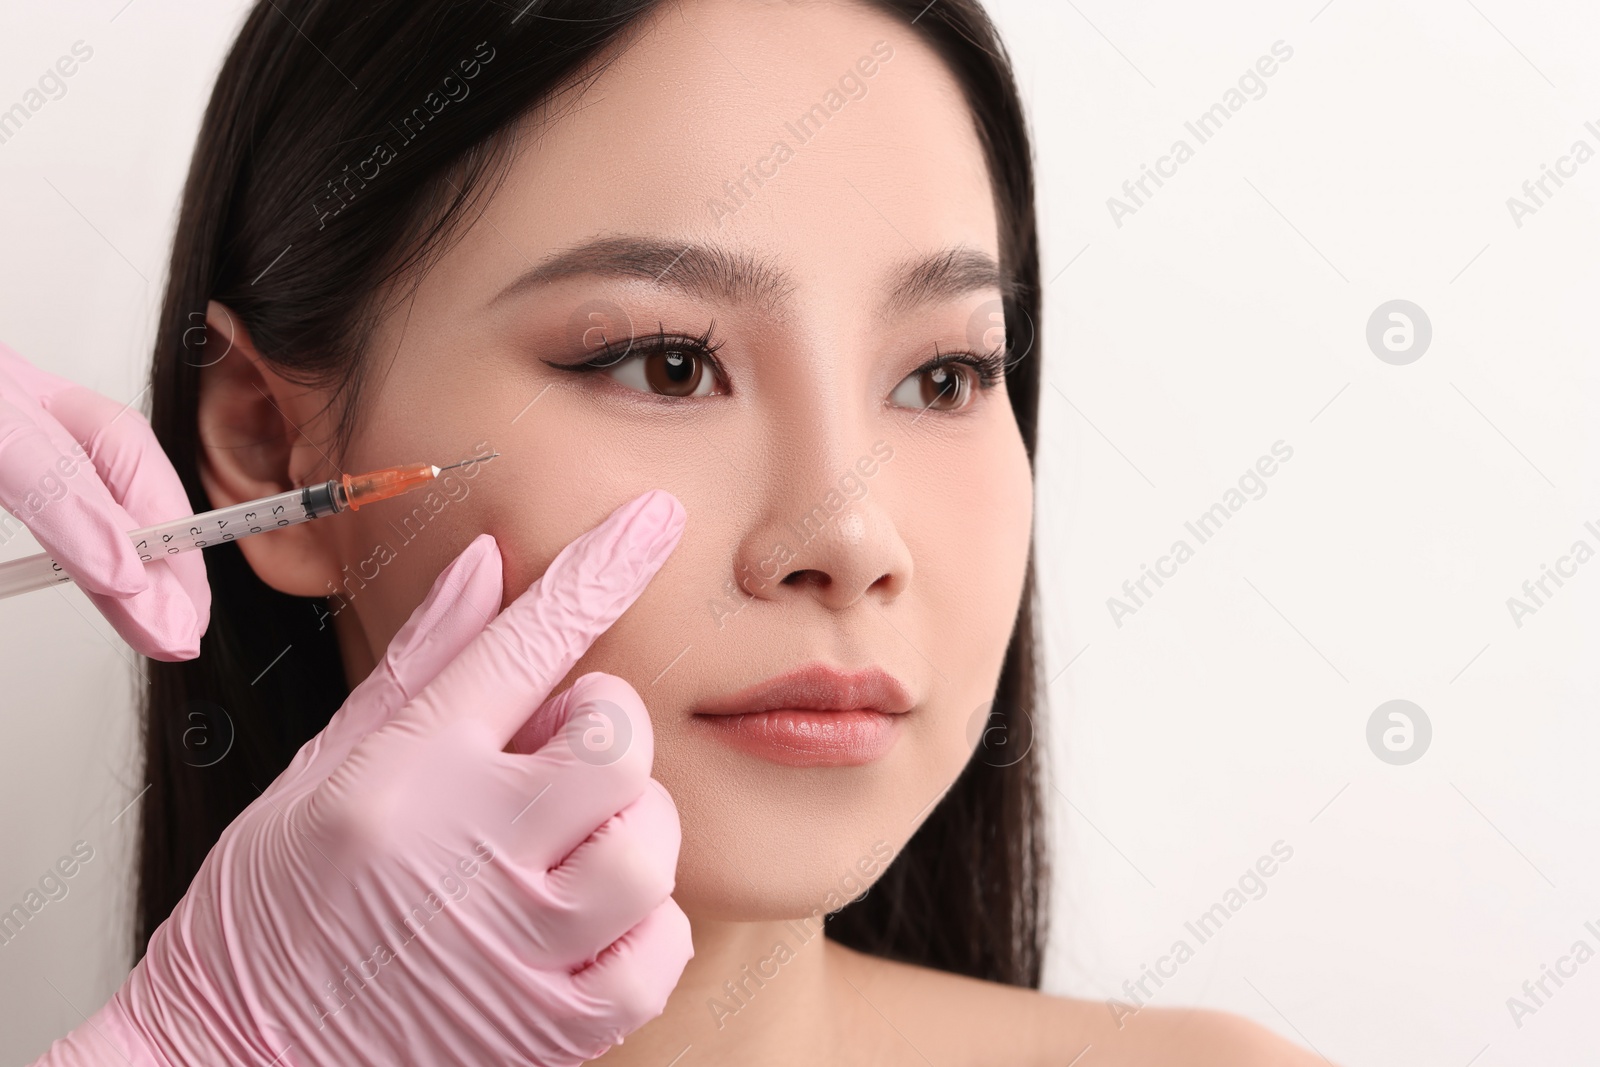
(803, 183)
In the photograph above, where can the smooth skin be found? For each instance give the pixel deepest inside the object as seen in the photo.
(921, 573)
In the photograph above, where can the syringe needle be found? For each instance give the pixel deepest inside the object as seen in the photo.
(470, 459)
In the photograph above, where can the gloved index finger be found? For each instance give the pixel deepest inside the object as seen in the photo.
(511, 667)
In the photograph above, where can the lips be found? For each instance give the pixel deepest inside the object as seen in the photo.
(817, 687)
(816, 716)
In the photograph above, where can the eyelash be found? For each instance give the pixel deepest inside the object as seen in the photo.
(988, 368)
(615, 352)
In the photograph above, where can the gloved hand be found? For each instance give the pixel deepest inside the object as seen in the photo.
(80, 471)
(407, 891)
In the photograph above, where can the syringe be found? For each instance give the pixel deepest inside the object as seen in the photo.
(346, 493)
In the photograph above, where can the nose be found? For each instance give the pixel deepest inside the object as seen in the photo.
(827, 533)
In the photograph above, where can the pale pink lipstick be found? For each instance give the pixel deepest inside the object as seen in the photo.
(815, 716)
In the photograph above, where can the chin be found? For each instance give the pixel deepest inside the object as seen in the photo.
(797, 879)
(765, 842)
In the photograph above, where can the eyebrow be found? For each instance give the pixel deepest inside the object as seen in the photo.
(717, 273)
(944, 275)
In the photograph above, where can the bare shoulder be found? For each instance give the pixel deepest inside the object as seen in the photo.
(1191, 1037)
(950, 1019)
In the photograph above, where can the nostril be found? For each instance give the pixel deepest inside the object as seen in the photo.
(808, 577)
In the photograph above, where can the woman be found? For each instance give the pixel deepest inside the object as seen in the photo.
(779, 260)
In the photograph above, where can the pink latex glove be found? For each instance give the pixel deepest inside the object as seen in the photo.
(545, 929)
(81, 471)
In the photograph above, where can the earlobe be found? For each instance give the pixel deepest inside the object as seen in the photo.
(252, 445)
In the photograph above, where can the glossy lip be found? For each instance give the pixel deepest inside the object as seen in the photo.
(816, 716)
(817, 687)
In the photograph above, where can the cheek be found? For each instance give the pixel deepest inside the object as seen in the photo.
(558, 476)
(564, 483)
(392, 551)
(972, 550)
(576, 481)
(971, 560)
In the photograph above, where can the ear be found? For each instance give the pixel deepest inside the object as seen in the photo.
(253, 445)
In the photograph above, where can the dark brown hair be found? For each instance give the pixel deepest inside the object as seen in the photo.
(286, 219)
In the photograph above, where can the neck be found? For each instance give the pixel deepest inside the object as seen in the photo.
(755, 992)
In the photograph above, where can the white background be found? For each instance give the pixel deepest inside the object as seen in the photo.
(1227, 313)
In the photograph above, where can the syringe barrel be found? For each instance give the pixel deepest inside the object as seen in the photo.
(182, 535)
(30, 573)
(221, 525)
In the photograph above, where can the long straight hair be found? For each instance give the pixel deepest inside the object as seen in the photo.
(295, 220)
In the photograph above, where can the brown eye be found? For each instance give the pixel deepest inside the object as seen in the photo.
(945, 387)
(675, 372)
(665, 367)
